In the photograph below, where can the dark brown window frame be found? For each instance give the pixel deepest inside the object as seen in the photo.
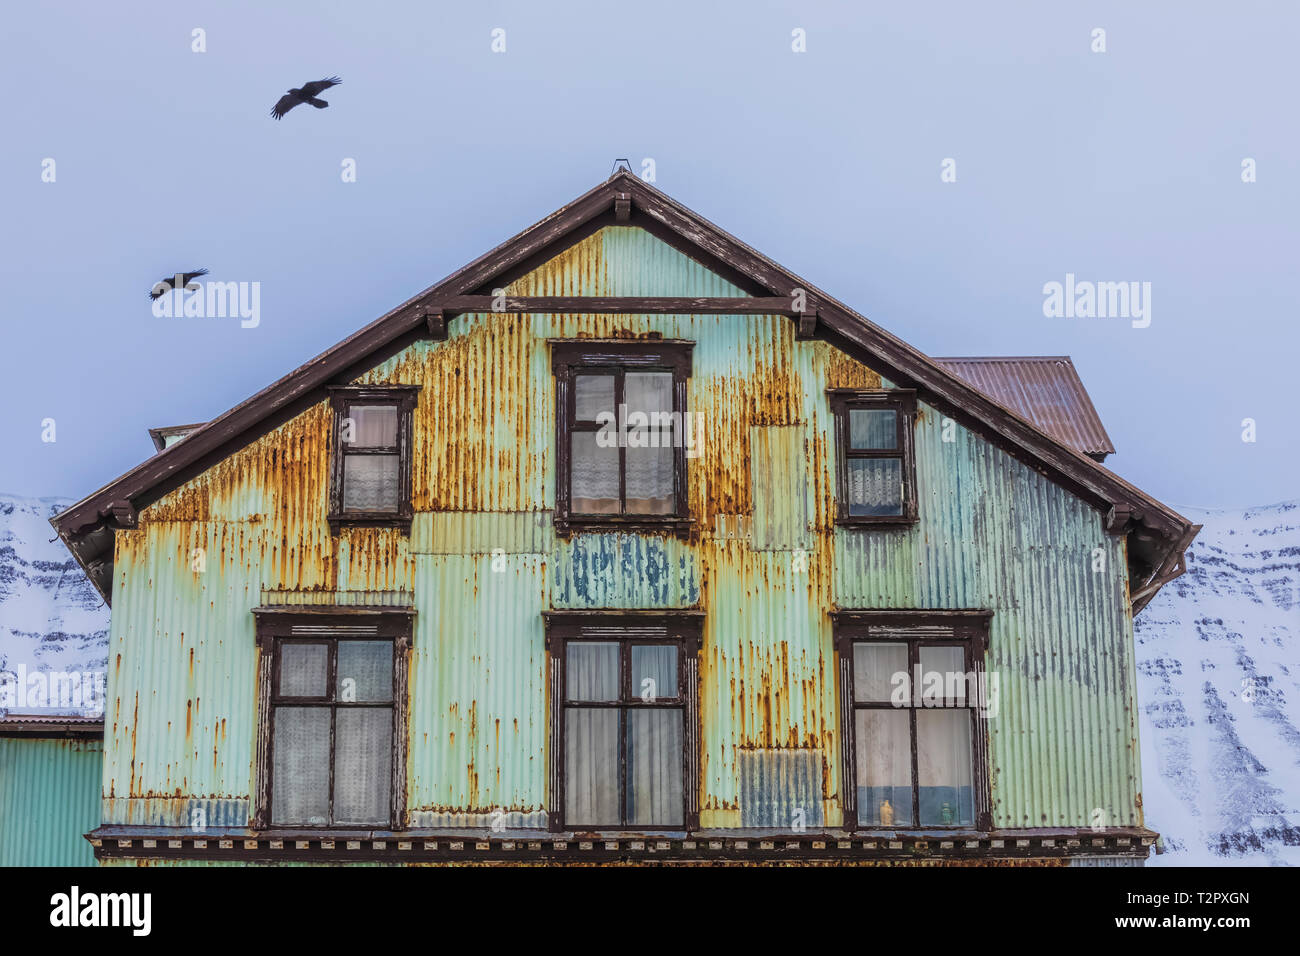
(570, 357)
(684, 629)
(275, 625)
(968, 628)
(404, 398)
(902, 400)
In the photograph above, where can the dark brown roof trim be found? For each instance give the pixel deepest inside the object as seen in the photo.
(160, 435)
(651, 209)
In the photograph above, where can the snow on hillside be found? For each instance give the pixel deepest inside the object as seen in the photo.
(1218, 659)
(52, 622)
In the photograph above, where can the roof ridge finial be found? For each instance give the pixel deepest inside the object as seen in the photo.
(626, 165)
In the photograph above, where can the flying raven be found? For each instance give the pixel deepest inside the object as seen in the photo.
(168, 283)
(305, 95)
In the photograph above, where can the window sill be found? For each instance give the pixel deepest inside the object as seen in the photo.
(876, 521)
(374, 520)
(661, 524)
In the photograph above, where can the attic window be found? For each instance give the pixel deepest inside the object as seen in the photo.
(370, 470)
(621, 434)
(876, 464)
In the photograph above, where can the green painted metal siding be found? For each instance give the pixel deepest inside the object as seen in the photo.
(482, 563)
(49, 798)
(995, 534)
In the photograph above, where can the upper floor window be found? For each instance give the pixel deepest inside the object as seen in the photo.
(621, 433)
(876, 464)
(625, 714)
(913, 697)
(333, 717)
(370, 475)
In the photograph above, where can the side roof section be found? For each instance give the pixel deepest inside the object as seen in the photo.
(1046, 390)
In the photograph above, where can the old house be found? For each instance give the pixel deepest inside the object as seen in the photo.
(624, 542)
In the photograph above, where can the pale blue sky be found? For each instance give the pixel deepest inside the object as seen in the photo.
(1122, 166)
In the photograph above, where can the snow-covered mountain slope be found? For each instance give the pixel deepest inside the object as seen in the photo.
(51, 620)
(1218, 659)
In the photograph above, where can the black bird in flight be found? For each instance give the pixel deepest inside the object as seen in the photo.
(305, 95)
(168, 283)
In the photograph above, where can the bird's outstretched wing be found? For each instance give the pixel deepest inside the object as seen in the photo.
(317, 87)
(166, 283)
(284, 104)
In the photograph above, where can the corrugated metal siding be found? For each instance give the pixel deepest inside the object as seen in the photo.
(767, 669)
(779, 479)
(482, 563)
(624, 570)
(477, 685)
(49, 798)
(995, 534)
(780, 788)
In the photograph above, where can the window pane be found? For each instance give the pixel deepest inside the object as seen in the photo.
(943, 675)
(304, 670)
(373, 426)
(370, 483)
(943, 755)
(648, 392)
(591, 670)
(654, 671)
(650, 481)
(593, 394)
(365, 671)
(363, 765)
(873, 428)
(875, 486)
(883, 753)
(654, 768)
(300, 778)
(876, 670)
(591, 767)
(594, 476)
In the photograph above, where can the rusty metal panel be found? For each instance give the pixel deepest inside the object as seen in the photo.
(181, 715)
(49, 797)
(779, 477)
(483, 532)
(780, 788)
(477, 692)
(624, 571)
(1044, 390)
(767, 668)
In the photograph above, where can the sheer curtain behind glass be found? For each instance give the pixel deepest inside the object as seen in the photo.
(370, 481)
(652, 737)
(591, 735)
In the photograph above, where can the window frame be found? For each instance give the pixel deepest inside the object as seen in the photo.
(903, 401)
(573, 357)
(404, 398)
(682, 629)
(278, 625)
(966, 628)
